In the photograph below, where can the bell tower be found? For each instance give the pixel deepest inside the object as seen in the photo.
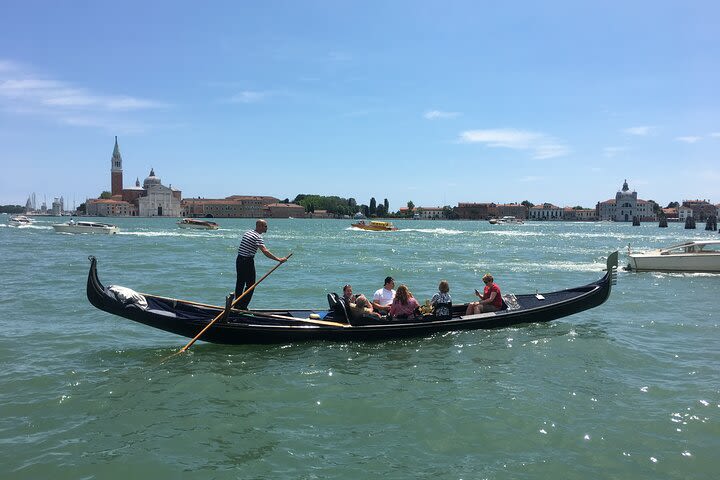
(116, 177)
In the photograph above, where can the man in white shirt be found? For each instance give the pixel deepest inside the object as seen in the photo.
(384, 296)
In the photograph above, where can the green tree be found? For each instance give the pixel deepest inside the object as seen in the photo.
(373, 206)
(449, 212)
(386, 204)
(656, 207)
(105, 195)
(527, 204)
(673, 205)
(411, 208)
(380, 211)
(81, 208)
(12, 209)
(333, 204)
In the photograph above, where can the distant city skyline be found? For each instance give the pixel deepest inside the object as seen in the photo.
(420, 101)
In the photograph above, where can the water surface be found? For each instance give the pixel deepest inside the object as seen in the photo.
(627, 390)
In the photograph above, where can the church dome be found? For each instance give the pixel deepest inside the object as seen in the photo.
(151, 179)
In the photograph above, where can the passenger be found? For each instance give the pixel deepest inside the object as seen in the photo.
(362, 302)
(490, 300)
(348, 295)
(404, 304)
(384, 296)
(443, 295)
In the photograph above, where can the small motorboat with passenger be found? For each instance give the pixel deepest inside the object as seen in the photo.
(338, 321)
(196, 224)
(691, 256)
(375, 226)
(85, 227)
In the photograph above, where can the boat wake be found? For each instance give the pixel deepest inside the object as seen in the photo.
(180, 233)
(441, 231)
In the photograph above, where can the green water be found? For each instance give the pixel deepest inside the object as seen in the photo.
(630, 389)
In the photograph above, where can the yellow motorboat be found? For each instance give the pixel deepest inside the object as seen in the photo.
(375, 226)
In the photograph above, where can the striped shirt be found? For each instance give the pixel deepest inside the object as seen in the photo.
(249, 244)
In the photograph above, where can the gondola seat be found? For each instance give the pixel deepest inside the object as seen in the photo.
(337, 306)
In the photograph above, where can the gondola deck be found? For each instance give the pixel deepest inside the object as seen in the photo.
(338, 323)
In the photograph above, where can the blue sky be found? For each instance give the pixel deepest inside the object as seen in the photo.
(436, 102)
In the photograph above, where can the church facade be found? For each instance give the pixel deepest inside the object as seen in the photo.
(626, 206)
(152, 199)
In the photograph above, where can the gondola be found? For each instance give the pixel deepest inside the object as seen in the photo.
(337, 322)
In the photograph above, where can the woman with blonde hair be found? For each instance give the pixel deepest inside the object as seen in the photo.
(404, 304)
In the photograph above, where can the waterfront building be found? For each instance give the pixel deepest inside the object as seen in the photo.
(424, 213)
(579, 214)
(318, 214)
(58, 206)
(109, 208)
(684, 213)
(546, 211)
(671, 214)
(153, 199)
(701, 209)
(158, 200)
(516, 210)
(625, 207)
(235, 206)
(286, 210)
(476, 211)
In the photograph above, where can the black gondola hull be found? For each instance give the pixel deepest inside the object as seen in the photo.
(276, 326)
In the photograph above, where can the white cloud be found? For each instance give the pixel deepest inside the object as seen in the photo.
(550, 150)
(715, 134)
(640, 131)
(25, 92)
(688, 139)
(118, 127)
(248, 96)
(543, 146)
(612, 152)
(437, 114)
(7, 66)
(531, 178)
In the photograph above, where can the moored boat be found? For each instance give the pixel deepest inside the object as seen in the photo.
(197, 224)
(86, 227)
(20, 221)
(337, 322)
(691, 256)
(375, 226)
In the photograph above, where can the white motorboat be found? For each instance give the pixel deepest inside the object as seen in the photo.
(20, 221)
(85, 227)
(506, 219)
(691, 256)
(197, 224)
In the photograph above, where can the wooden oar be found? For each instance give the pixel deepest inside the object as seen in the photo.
(231, 306)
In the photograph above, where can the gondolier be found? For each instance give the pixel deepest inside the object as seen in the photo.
(245, 261)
